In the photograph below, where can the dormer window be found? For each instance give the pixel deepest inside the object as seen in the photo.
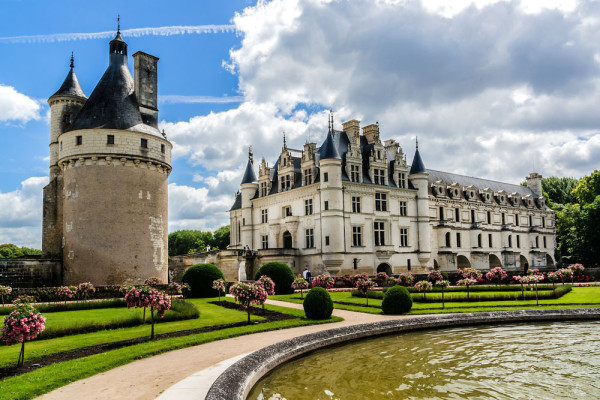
(284, 161)
(379, 176)
(355, 173)
(402, 180)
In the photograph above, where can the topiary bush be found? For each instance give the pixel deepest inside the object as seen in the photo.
(280, 273)
(318, 304)
(200, 277)
(396, 300)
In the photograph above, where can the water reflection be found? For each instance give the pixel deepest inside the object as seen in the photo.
(536, 361)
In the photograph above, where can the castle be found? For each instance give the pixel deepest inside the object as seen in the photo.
(354, 205)
(105, 208)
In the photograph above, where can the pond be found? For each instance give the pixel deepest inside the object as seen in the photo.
(559, 360)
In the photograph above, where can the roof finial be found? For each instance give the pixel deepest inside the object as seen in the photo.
(284, 143)
(250, 155)
(417, 141)
(118, 23)
(72, 65)
(331, 120)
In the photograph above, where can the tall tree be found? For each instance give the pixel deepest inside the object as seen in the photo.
(559, 189)
(588, 188)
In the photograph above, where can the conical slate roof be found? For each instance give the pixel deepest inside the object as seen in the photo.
(328, 148)
(417, 167)
(249, 176)
(70, 86)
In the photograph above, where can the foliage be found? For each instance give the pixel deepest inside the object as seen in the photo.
(381, 278)
(9, 250)
(200, 277)
(356, 277)
(405, 279)
(470, 273)
(65, 293)
(559, 189)
(435, 276)
(189, 241)
(300, 284)
(396, 301)
(4, 291)
(280, 273)
(588, 188)
(467, 282)
(153, 281)
(423, 286)
(23, 324)
(496, 275)
(324, 281)
(318, 304)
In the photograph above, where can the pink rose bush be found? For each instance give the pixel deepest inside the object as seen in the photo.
(356, 277)
(423, 286)
(85, 289)
(496, 275)
(470, 273)
(177, 288)
(467, 282)
(23, 324)
(324, 281)
(4, 291)
(565, 274)
(300, 284)
(442, 284)
(577, 272)
(381, 278)
(248, 295)
(65, 292)
(405, 279)
(363, 286)
(267, 283)
(153, 281)
(144, 297)
(435, 276)
(220, 286)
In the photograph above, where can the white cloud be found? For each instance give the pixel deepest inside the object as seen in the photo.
(21, 213)
(15, 106)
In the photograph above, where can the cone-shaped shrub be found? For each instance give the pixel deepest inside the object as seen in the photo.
(396, 300)
(318, 304)
(200, 277)
(280, 273)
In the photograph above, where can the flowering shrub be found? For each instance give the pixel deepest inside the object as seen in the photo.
(435, 276)
(65, 292)
(565, 274)
(364, 285)
(442, 284)
(405, 279)
(248, 295)
(4, 291)
(356, 277)
(23, 299)
(496, 275)
(381, 278)
(536, 278)
(153, 281)
(467, 282)
(220, 286)
(347, 280)
(144, 297)
(268, 284)
(423, 286)
(470, 273)
(324, 281)
(177, 288)
(85, 289)
(553, 277)
(576, 272)
(300, 284)
(23, 324)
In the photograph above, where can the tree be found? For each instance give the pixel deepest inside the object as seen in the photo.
(559, 189)
(10, 250)
(190, 241)
(145, 296)
(221, 237)
(588, 188)
(569, 229)
(23, 324)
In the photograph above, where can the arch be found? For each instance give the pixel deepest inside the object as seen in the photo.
(287, 240)
(495, 261)
(384, 267)
(436, 266)
(549, 261)
(462, 262)
(524, 264)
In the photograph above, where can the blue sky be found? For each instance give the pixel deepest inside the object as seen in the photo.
(492, 88)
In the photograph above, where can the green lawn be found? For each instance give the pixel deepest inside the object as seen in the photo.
(43, 380)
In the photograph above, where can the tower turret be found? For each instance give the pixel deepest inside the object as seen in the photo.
(248, 190)
(419, 177)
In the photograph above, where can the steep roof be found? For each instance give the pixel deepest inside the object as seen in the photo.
(462, 180)
(70, 86)
(417, 166)
(328, 149)
(249, 175)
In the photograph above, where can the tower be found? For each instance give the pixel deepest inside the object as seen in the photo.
(249, 188)
(114, 165)
(420, 178)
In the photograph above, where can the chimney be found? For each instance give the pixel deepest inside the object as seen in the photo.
(391, 146)
(146, 85)
(534, 182)
(352, 129)
(371, 133)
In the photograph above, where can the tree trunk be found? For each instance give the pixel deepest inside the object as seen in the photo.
(248, 308)
(367, 296)
(443, 303)
(144, 316)
(537, 300)
(152, 320)
(21, 359)
(467, 292)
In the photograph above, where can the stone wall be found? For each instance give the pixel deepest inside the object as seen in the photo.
(30, 272)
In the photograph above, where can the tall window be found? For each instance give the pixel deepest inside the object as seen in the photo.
(530, 221)
(379, 229)
(265, 241)
(286, 183)
(509, 240)
(479, 240)
(355, 173)
(518, 241)
(457, 215)
(403, 237)
(326, 205)
(537, 241)
(458, 240)
(403, 209)
(309, 238)
(379, 175)
(78, 140)
(144, 143)
(402, 180)
(264, 214)
(489, 217)
(325, 177)
(517, 219)
(355, 204)
(503, 219)
(441, 213)
(357, 236)
(473, 216)
(264, 187)
(239, 231)
(380, 202)
(490, 242)
(544, 241)
(448, 239)
(307, 176)
(543, 223)
(308, 206)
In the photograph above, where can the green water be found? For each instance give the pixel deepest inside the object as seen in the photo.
(535, 361)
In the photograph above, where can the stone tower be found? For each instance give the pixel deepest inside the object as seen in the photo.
(420, 179)
(105, 208)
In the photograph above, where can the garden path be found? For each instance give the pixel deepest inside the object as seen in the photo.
(149, 377)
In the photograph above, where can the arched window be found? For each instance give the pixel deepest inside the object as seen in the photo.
(447, 239)
(479, 240)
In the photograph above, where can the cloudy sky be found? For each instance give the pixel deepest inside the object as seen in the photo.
(495, 89)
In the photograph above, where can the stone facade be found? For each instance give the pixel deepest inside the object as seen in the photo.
(354, 205)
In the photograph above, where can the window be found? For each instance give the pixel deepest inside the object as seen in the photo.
(286, 183)
(309, 238)
(473, 216)
(325, 177)
(537, 241)
(264, 214)
(403, 237)
(110, 139)
(67, 118)
(530, 221)
(408, 265)
(326, 240)
(357, 236)
(479, 240)
(509, 240)
(457, 215)
(326, 205)
(284, 161)
(239, 232)
(308, 206)
(403, 209)
(518, 242)
(379, 175)
(244, 221)
(354, 173)
(543, 223)
(490, 243)
(489, 217)
(264, 187)
(441, 213)
(307, 176)
(265, 241)
(379, 229)
(355, 204)
(458, 240)
(448, 239)
(544, 238)
(517, 219)
(503, 219)
(379, 154)
(78, 140)
(162, 148)
(402, 180)
(144, 143)
(380, 202)
(287, 211)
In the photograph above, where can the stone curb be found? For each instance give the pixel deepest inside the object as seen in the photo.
(237, 381)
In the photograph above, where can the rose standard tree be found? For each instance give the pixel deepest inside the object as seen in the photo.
(267, 284)
(248, 295)
(442, 284)
(144, 297)
(300, 284)
(220, 286)
(363, 286)
(23, 324)
(423, 286)
(4, 291)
